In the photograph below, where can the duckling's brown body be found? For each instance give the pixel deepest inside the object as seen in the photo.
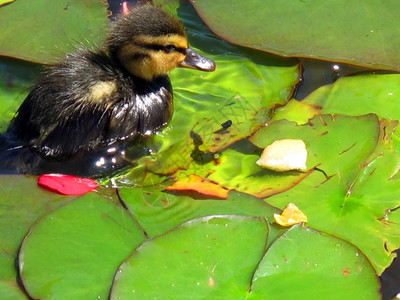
(93, 100)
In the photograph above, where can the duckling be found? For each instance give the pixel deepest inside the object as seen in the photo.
(95, 99)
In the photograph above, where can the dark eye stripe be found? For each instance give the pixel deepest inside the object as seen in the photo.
(156, 47)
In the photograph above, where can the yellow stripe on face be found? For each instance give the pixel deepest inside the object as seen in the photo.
(177, 40)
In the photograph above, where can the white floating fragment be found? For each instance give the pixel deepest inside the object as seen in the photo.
(284, 155)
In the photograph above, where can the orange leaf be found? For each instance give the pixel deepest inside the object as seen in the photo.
(199, 185)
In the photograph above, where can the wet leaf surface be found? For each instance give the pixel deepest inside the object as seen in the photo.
(261, 81)
(79, 245)
(343, 31)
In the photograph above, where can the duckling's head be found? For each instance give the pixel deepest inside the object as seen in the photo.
(149, 42)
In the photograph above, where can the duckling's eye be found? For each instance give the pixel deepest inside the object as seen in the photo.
(169, 48)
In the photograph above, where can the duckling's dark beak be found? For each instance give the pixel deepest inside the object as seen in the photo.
(196, 61)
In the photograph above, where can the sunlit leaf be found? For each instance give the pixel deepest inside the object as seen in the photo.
(2, 2)
(296, 111)
(359, 95)
(327, 140)
(355, 186)
(200, 185)
(214, 110)
(306, 264)
(240, 172)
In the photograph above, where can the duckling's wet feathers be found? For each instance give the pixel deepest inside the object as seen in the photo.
(92, 100)
(93, 111)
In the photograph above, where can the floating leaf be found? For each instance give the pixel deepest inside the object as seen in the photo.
(306, 264)
(240, 172)
(200, 185)
(201, 259)
(158, 211)
(30, 35)
(11, 291)
(67, 184)
(380, 94)
(2, 2)
(345, 31)
(345, 197)
(21, 204)
(296, 111)
(73, 252)
(327, 140)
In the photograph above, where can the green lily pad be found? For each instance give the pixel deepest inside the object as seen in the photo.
(345, 196)
(73, 253)
(22, 203)
(158, 211)
(359, 95)
(354, 32)
(30, 34)
(15, 79)
(212, 257)
(11, 291)
(2, 2)
(326, 140)
(240, 172)
(296, 111)
(306, 264)
(235, 169)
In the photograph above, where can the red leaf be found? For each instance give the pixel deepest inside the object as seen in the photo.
(67, 184)
(200, 185)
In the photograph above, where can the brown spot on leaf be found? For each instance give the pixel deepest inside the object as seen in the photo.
(346, 271)
(164, 202)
